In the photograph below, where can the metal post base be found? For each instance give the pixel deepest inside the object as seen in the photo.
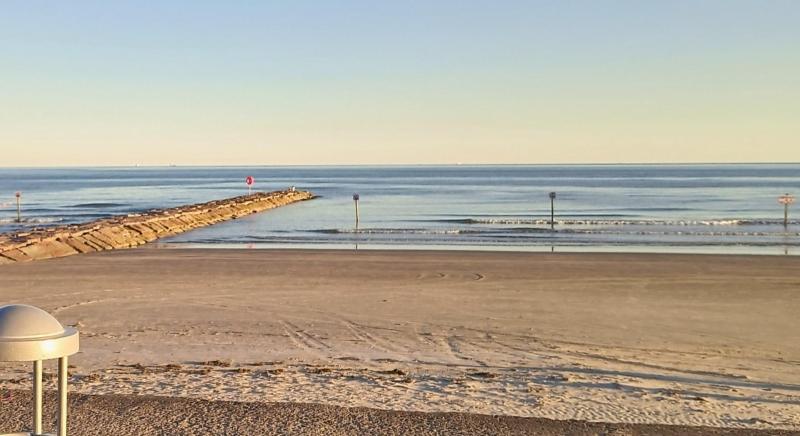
(63, 375)
(27, 434)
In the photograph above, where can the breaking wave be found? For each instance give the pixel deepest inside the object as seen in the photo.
(620, 222)
(97, 205)
(396, 231)
(522, 232)
(29, 221)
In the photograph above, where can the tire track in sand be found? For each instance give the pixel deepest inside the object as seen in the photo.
(437, 275)
(80, 303)
(372, 340)
(303, 340)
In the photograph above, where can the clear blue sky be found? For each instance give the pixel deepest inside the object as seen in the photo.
(301, 82)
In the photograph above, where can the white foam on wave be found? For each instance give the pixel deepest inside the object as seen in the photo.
(613, 222)
(398, 231)
(402, 231)
(679, 233)
(31, 221)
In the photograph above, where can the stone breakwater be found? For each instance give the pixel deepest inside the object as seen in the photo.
(136, 229)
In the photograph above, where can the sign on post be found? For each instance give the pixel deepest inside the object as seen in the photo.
(250, 181)
(786, 200)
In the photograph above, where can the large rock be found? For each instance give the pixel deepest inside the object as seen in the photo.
(48, 248)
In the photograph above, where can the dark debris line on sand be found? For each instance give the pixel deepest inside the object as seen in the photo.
(122, 415)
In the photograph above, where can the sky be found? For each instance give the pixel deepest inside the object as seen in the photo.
(193, 82)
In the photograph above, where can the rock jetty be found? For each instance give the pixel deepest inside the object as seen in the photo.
(136, 229)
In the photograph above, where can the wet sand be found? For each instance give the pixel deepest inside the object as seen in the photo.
(628, 338)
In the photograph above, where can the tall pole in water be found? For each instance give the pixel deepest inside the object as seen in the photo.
(355, 200)
(786, 215)
(552, 211)
(786, 200)
(19, 214)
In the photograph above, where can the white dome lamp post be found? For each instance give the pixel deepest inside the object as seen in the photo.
(29, 334)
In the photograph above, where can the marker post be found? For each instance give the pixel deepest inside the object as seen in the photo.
(356, 197)
(786, 200)
(19, 208)
(250, 181)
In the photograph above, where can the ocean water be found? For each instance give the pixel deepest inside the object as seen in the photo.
(642, 208)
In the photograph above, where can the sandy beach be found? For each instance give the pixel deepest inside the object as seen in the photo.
(694, 340)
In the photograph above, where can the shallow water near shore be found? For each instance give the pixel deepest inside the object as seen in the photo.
(635, 208)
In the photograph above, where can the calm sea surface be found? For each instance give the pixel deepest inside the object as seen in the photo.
(655, 208)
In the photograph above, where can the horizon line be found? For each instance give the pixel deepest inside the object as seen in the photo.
(396, 165)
